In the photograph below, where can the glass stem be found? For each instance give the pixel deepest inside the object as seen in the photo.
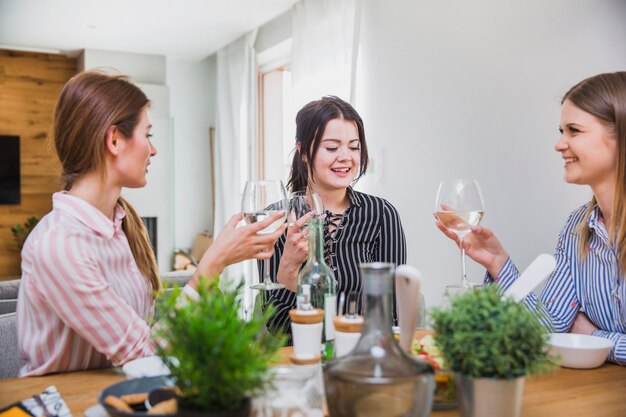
(266, 273)
(464, 280)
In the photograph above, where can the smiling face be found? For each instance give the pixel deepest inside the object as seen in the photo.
(337, 160)
(589, 149)
(136, 151)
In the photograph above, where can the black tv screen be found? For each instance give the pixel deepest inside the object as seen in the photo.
(9, 169)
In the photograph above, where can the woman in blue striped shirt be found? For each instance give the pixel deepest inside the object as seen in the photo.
(586, 293)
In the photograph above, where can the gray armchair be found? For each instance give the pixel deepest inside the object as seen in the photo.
(10, 362)
(9, 289)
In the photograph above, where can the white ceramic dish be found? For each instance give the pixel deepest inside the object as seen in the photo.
(148, 366)
(579, 351)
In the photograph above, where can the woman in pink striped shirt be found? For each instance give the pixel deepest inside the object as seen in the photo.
(88, 272)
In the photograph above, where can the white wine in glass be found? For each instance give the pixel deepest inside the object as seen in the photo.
(260, 199)
(459, 206)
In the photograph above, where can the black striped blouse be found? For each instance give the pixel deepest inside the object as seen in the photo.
(370, 230)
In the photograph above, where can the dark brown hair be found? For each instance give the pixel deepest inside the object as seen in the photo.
(604, 96)
(311, 121)
(90, 103)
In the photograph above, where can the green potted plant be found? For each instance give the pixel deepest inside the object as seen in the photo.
(218, 360)
(491, 343)
(20, 232)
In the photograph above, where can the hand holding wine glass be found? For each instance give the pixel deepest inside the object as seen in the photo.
(303, 206)
(459, 207)
(260, 199)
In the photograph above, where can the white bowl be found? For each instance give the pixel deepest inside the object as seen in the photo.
(148, 366)
(579, 351)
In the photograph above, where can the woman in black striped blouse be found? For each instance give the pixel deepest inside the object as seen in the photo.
(330, 155)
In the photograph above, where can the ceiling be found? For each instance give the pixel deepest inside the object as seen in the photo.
(180, 29)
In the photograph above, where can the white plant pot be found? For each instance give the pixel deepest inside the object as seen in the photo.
(488, 397)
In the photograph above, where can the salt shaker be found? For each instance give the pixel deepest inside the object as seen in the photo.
(347, 329)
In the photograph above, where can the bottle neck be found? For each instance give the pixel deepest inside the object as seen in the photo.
(316, 241)
(378, 289)
(378, 315)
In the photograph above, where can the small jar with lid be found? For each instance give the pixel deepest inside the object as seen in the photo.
(306, 329)
(347, 333)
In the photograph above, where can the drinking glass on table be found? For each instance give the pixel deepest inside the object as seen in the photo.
(260, 199)
(458, 207)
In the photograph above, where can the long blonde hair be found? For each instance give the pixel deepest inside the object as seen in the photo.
(604, 96)
(90, 103)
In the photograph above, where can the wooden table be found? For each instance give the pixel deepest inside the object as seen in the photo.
(564, 392)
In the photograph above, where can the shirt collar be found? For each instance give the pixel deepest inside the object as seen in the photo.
(355, 197)
(88, 214)
(594, 220)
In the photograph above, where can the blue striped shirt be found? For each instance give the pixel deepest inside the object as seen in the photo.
(593, 285)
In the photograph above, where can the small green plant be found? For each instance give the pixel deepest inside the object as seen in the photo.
(217, 358)
(482, 335)
(21, 231)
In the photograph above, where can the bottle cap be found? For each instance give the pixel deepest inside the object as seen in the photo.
(306, 316)
(348, 324)
(305, 359)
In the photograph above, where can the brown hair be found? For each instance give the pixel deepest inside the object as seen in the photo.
(90, 103)
(311, 121)
(604, 96)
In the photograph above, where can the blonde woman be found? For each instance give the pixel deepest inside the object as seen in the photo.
(586, 293)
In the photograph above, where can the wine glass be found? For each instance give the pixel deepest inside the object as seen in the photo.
(303, 202)
(260, 199)
(459, 206)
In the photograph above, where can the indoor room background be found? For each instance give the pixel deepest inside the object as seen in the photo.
(446, 90)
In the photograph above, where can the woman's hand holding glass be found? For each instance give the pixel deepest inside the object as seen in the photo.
(481, 245)
(235, 244)
(303, 206)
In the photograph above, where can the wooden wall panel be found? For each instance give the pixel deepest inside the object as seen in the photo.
(29, 87)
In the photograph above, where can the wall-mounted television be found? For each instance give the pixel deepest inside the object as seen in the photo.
(9, 169)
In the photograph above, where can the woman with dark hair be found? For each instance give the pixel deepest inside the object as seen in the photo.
(89, 274)
(586, 293)
(330, 156)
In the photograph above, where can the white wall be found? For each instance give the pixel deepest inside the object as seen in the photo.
(192, 106)
(472, 89)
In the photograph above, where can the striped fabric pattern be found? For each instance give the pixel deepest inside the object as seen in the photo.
(593, 286)
(369, 231)
(83, 302)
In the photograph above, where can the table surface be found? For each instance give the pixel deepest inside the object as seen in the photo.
(563, 392)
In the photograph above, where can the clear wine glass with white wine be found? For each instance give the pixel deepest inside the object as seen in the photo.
(458, 207)
(260, 199)
(303, 202)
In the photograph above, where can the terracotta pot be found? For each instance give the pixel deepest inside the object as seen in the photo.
(243, 411)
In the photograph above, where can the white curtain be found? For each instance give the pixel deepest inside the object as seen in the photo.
(325, 48)
(235, 134)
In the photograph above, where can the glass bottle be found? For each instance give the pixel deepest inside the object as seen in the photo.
(322, 282)
(377, 378)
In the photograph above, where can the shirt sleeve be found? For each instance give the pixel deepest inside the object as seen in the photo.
(558, 303)
(618, 353)
(392, 246)
(72, 283)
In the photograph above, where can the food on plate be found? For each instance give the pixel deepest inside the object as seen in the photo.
(445, 390)
(118, 404)
(133, 399)
(165, 407)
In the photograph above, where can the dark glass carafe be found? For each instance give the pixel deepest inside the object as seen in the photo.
(377, 378)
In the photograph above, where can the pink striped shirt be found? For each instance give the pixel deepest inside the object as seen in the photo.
(83, 302)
